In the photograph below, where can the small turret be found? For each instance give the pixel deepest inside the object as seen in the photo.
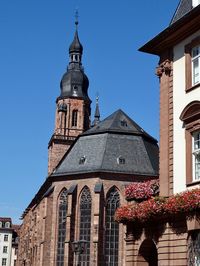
(97, 113)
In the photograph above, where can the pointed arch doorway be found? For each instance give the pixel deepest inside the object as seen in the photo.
(147, 255)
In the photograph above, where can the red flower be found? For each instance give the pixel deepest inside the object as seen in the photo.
(187, 203)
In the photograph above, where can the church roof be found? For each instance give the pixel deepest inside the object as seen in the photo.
(115, 145)
(183, 8)
(118, 122)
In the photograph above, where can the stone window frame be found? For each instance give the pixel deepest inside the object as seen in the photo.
(190, 117)
(188, 64)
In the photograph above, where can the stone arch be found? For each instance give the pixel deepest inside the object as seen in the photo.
(191, 112)
(147, 255)
(113, 188)
(62, 192)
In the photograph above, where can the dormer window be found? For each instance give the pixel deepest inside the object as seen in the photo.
(195, 3)
(121, 160)
(123, 123)
(7, 225)
(82, 160)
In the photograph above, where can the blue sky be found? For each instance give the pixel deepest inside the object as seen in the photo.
(35, 36)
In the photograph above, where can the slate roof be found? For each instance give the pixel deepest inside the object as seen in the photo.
(115, 145)
(183, 8)
(118, 122)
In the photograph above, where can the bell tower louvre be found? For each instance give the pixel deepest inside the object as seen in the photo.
(73, 110)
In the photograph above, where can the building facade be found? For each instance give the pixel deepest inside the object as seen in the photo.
(176, 241)
(89, 167)
(8, 242)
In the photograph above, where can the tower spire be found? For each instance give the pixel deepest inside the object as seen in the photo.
(97, 112)
(73, 104)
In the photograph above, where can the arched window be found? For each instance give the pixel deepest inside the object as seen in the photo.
(191, 121)
(112, 228)
(74, 118)
(62, 213)
(85, 224)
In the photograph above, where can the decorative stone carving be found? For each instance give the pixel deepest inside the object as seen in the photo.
(164, 67)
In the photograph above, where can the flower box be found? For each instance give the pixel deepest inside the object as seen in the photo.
(193, 223)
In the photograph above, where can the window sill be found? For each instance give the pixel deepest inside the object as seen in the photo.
(194, 183)
(192, 88)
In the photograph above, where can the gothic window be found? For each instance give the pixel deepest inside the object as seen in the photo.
(194, 249)
(85, 224)
(62, 213)
(74, 118)
(112, 228)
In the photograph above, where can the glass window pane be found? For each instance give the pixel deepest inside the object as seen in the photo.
(195, 64)
(112, 229)
(85, 224)
(62, 214)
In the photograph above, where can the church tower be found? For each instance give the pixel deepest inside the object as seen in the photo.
(72, 106)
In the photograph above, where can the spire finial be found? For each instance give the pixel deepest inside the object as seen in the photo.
(76, 17)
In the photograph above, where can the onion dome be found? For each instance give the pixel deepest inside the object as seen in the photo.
(74, 82)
